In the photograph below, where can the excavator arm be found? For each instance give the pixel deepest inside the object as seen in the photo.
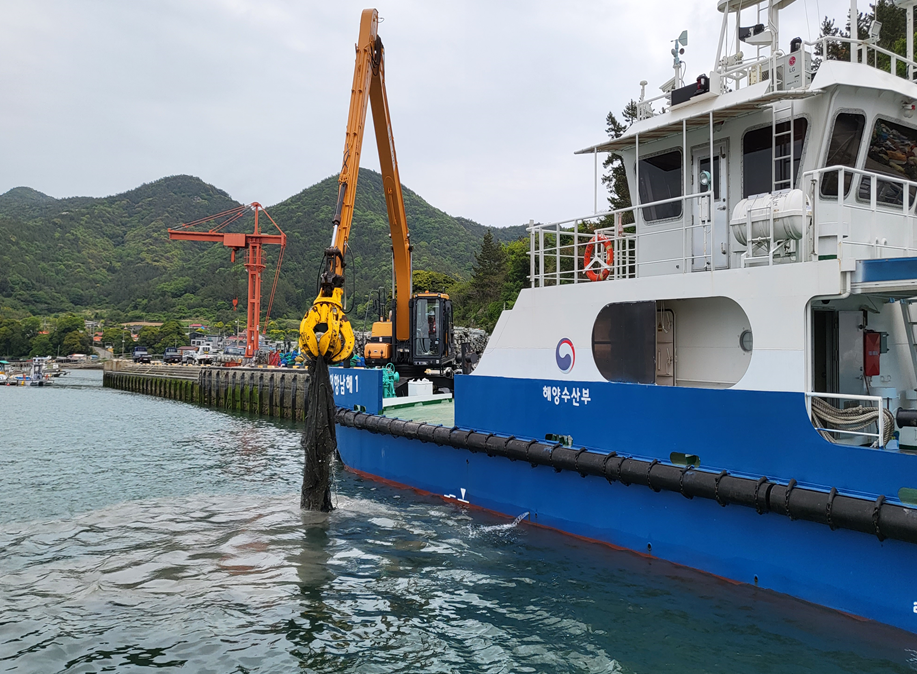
(325, 330)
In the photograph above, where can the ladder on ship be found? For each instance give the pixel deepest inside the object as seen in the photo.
(766, 245)
(909, 322)
(788, 181)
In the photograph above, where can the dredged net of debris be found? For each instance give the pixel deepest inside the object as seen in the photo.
(319, 440)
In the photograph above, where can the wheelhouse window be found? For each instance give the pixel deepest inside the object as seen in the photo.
(843, 149)
(661, 178)
(759, 162)
(427, 319)
(893, 152)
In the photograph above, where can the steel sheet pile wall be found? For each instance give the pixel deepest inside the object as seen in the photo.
(269, 392)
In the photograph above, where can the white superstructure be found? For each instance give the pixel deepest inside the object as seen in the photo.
(763, 273)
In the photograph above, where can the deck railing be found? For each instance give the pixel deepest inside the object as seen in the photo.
(865, 228)
(861, 50)
(861, 231)
(880, 417)
(557, 250)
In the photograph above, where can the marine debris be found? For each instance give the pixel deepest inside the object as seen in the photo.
(319, 440)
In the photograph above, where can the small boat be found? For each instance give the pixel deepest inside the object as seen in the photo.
(36, 376)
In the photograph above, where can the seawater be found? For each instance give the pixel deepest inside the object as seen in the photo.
(138, 533)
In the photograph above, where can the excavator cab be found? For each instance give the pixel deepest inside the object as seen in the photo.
(431, 330)
(431, 337)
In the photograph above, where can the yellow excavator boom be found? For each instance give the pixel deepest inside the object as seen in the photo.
(325, 330)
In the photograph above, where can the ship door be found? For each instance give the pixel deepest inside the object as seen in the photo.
(710, 233)
(665, 346)
(825, 347)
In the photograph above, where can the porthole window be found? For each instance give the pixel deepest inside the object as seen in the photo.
(746, 341)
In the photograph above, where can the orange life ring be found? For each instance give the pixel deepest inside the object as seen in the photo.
(602, 272)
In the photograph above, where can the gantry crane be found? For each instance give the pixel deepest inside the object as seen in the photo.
(419, 334)
(254, 257)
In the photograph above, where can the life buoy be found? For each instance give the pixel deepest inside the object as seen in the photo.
(602, 273)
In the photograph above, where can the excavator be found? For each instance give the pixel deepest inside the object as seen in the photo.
(419, 333)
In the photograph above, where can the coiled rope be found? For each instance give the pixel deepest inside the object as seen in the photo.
(857, 418)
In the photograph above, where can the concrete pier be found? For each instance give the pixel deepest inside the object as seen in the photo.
(273, 392)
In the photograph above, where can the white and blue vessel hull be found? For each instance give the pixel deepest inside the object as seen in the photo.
(738, 346)
(846, 570)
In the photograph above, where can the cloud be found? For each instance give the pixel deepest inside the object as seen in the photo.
(488, 99)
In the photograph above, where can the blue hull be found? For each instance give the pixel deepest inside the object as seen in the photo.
(844, 570)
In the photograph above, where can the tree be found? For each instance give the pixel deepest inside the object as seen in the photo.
(41, 346)
(517, 270)
(148, 336)
(75, 342)
(892, 37)
(70, 335)
(170, 333)
(12, 340)
(616, 179)
(489, 270)
(479, 302)
(433, 282)
(31, 326)
(116, 336)
(64, 326)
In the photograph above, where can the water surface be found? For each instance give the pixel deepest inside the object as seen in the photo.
(138, 533)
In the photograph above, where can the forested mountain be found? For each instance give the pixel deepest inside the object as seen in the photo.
(114, 253)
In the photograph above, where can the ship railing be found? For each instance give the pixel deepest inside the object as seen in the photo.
(860, 226)
(557, 250)
(736, 73)
(645, 106)
(876, 400)
(860, 51)
(751, 72)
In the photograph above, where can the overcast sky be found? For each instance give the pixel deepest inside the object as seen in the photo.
(489, 99)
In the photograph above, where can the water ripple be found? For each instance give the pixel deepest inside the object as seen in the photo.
(184, 549)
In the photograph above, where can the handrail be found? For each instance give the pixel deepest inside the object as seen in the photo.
(861, 172)
(894, 58)
(565, 243)
(623, 266)
(844, 396)
(618, 211)
(848, 201)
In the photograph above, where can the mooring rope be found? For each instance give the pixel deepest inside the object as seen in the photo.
(850, 419)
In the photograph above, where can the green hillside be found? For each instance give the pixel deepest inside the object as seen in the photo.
(114, 253)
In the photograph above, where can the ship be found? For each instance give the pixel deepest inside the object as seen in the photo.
(724, 374)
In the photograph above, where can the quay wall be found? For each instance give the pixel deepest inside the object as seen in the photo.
(272, 392)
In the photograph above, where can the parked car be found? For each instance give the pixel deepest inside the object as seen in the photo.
(141, 355)
(171, 355)
(202, 356)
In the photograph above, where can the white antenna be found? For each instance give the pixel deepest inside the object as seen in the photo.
(680, 43)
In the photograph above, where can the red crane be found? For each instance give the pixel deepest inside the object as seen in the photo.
(254, 258)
